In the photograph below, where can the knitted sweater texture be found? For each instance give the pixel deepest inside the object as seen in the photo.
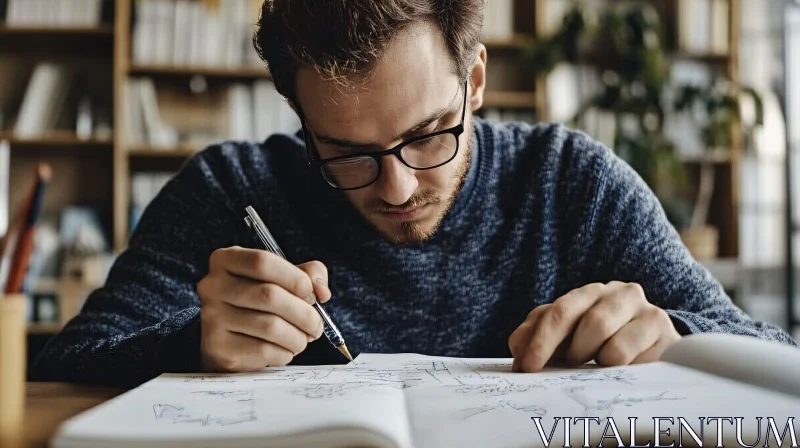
(543, 210)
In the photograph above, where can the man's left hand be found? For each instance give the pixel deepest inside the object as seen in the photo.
(612, 323)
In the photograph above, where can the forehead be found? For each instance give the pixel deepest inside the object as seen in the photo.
(412, 78)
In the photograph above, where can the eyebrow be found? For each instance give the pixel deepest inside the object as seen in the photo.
(436, 115)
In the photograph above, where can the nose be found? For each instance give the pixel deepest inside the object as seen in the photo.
(397, 182)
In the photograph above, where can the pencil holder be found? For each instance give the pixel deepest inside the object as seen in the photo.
(13, 349)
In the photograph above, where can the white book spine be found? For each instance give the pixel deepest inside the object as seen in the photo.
(262, 110)
(40, 103)
(214, 38)
(240, 112)
(142, 32)
(720, 30)
(181, 42)
(164, 21)
(198, 35)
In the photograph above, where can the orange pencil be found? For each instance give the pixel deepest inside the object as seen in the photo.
(24, 244)
(9, 241)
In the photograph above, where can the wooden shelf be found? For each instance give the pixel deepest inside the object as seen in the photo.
(44, 328)
(149, 152)
(32, 31)
(55, 139)
(211, 72)
(510, 100)
(714, 58)
(717, 157)
(515, 42)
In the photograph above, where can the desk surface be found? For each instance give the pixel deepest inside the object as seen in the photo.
(47, 405)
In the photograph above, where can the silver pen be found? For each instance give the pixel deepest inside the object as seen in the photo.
(331, 332)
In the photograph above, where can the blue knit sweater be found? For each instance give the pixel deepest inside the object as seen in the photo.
(543, 210)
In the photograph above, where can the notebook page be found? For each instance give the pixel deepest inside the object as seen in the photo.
(493, 407)
(276, 406)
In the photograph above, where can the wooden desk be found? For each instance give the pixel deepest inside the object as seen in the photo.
(47, 405)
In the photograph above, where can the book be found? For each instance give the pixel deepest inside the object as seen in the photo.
(411, 400)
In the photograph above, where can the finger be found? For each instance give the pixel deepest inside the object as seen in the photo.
(557, 323)
(560, 356)
(655, 351)
(318, 273)
(240, 353)
(601, 322)
(268, 327)
(264, 266)
(518, 340)
(635, 338)
(270, 298)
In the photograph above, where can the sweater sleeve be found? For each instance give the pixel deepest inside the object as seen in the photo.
(631, 240)
(145, 319)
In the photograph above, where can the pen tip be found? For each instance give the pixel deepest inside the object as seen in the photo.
(343, 348)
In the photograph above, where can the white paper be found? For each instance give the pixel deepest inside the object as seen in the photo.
(290, 406)
(424, 401)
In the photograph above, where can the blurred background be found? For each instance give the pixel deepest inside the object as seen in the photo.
(701, 97)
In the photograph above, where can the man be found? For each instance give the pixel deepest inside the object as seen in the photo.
(421, 227)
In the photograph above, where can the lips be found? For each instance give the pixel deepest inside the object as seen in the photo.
(405, 214)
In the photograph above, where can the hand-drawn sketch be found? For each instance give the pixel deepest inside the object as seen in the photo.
(503, 388)
(482, 380)
(613, 375)
(296, 375)
(592, 405)
(236, 406)
(208, 379)
(329, 390)
(238, 395)
(503, 404)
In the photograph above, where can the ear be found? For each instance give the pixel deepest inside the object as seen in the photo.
(478, 79)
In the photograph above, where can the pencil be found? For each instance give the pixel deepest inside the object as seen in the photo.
(24, 245)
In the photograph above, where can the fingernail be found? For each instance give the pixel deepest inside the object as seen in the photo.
(310, 338)
(323, 282)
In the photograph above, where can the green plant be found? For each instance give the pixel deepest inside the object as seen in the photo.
(715, 110)
(623, 43)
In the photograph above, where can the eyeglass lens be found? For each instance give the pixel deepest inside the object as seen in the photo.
(359, 171)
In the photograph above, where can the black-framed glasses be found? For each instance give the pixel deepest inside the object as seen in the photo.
(424, 152)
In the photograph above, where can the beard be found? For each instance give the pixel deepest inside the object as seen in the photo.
(406, 233)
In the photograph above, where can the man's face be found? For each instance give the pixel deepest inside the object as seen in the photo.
(412, 84)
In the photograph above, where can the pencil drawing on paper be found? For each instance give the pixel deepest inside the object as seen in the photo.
(485, 386)
(503, 404)
(329, 390)
(233, 407)
(502, 388)
(208, 379)
(592, 405)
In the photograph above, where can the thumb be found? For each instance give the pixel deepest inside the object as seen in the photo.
(321, 289)
(318, 273)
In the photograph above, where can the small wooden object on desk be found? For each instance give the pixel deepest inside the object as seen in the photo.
(12, 369)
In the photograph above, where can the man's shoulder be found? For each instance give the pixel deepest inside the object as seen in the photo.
(237, 164)
(236, 154)
(548, 148)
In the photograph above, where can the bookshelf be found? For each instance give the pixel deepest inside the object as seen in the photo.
(211, 72)
(99, 171)
(714, 51)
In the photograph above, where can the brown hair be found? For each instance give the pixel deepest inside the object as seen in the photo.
(341, 39)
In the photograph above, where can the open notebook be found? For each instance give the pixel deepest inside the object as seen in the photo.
(408, 400)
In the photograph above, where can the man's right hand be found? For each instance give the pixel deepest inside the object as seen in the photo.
(256, 309)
